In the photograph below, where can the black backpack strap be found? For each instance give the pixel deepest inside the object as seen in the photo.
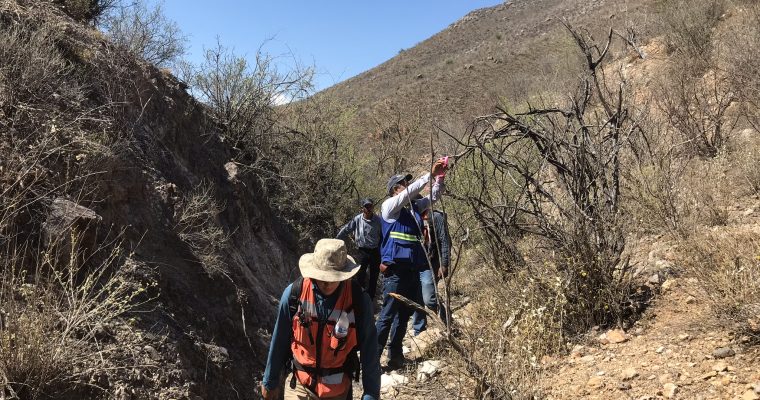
(295, 296)
(294, 301)
(357, 298)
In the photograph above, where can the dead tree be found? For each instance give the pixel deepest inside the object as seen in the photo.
(555, 172)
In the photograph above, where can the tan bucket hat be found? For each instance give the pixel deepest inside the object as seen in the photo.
(329, 262)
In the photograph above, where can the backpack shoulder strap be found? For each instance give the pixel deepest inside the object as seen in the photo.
(357, 295)
(295, 296)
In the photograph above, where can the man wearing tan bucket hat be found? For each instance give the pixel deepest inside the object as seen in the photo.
(323, 320)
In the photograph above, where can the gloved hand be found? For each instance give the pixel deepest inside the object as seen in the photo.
(440, 167)
(268, 394)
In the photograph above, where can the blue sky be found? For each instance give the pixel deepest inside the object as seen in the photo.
(341, 38)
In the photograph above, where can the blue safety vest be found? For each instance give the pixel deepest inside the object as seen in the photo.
(401, 240)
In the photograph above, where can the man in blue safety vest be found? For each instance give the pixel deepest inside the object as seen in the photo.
(402, 255)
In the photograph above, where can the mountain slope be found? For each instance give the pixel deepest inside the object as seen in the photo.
(512, 51)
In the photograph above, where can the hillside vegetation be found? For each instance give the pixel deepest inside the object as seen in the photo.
(148, 223)
(574, 158)
(134, 263)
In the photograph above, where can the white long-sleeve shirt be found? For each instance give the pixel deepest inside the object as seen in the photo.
(392, 206)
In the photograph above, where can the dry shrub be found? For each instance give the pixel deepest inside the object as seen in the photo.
(727, 267)
(52, 307)
(293, 147)
(740, 55)
(704, 194)
(519, 320)
(699, 110)
(652, 198)
(524, 316)
(747, 173)
(147, 32)
(86, 11)
(689, 27)
(197, 225)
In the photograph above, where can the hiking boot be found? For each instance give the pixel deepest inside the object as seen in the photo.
(396, 362)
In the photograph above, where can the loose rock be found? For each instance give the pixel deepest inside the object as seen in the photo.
(428, 369)
(708, 375)
(720, 367)
(668, 284)
(595, 382)
(723, 352)
(389, 381)
(750, 395)
(669, 390)
(629, 373)
(616, 336)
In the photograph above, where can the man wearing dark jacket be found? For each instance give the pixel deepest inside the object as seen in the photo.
(437, 242)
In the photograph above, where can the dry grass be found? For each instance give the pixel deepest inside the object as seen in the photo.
(197, 225)
(55, 290)
(53, 307)
(727, 267)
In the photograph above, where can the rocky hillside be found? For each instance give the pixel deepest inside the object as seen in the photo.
(511, 51)
(113, 153)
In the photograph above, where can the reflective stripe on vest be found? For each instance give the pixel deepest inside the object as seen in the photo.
(404, 236)
(309, 343)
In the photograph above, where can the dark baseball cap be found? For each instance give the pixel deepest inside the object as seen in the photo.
(367, 202)
(396, 179)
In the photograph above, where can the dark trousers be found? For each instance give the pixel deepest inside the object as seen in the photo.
(369, 261)
(404, 280)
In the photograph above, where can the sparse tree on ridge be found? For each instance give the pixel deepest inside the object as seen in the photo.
(147, 32)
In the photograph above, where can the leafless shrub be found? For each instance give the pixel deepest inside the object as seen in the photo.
(727, 271)
(42, 149)
(699, 110)
(147, 32)
(398, 127)
(242, 95)
(197, 225)
(316, 167)
(551, 177)
(690, 30)
(52, 308)
(33, 71)
(564, 167)
(296, 153)
(747, 160)
(652, 199)
(741, 55)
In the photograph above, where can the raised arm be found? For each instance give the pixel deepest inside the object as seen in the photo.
(392, 207)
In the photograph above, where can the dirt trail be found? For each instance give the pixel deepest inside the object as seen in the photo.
(670, 353)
